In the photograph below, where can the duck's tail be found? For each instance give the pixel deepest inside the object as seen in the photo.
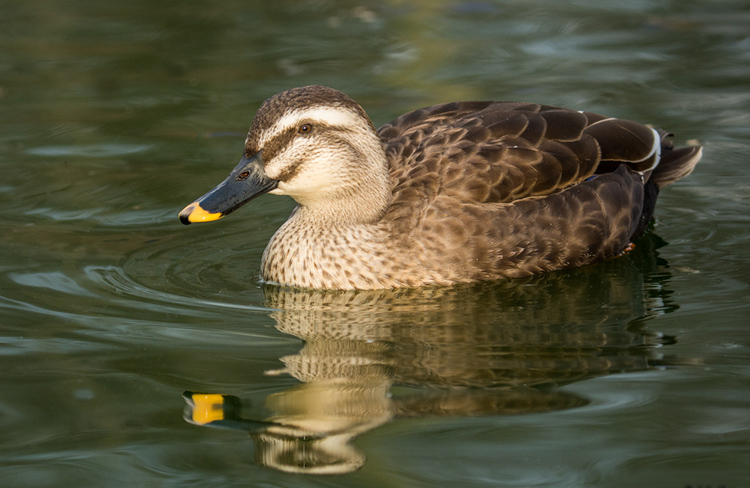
(674, 163)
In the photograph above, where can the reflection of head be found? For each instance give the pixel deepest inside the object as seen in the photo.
(332, 454)
(315, 423)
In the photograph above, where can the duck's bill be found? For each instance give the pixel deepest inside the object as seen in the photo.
(245, 182)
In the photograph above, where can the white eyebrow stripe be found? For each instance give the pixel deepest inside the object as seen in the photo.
(328, 115)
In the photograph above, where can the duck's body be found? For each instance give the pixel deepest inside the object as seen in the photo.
(453, 193)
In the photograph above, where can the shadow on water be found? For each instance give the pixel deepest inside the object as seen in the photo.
(474, 350)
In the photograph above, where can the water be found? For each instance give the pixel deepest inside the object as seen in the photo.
(115, 115)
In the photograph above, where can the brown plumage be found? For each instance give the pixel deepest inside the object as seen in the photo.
(459, 192)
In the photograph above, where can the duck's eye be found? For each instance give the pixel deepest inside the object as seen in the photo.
(305, 129)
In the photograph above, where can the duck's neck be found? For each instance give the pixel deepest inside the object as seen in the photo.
(336, 228)
(360, 196)
(316, 251)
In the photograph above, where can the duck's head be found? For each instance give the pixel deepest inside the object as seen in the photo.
(314, 144)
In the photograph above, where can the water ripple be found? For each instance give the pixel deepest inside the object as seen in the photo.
(116, 280)
(91, 150)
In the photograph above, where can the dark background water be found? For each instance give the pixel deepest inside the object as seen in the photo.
(114, 115)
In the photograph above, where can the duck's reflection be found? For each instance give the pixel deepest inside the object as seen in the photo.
(487, 349)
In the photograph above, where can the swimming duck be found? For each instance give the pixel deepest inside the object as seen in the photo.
(453, 193)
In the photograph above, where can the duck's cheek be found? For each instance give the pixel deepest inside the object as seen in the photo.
(292, 190)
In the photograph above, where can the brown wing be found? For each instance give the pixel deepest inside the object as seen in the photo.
(499, 152)
(523, 173)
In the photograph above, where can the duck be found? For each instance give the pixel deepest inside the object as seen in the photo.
(453, 193)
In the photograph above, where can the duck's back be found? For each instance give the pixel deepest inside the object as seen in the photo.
(523, 188)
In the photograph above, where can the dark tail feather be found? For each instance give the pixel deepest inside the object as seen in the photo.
(650, 192)
(674, 163)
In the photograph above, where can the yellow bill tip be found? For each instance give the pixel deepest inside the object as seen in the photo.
(207, 408)
(195, 213)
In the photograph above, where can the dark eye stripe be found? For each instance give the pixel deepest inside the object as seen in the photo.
(278, 142)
